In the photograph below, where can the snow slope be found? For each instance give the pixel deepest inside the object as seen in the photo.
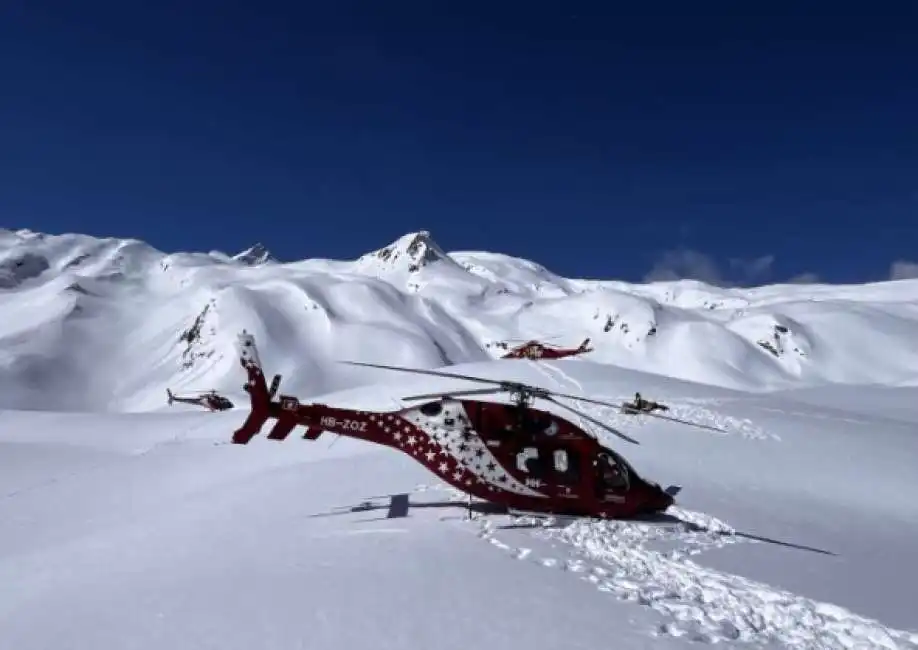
(126, 525)
(796, 529)
(106, 324)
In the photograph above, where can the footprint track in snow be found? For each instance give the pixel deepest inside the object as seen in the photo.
(695, 602)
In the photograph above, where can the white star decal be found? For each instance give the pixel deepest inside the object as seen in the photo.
(462, 450)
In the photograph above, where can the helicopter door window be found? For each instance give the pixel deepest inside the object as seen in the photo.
(564, 466)
(560, 457)
(528, 461)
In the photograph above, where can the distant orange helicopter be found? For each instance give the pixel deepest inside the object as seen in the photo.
(509, 455)
(539, 350)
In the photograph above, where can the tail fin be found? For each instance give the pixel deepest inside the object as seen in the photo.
(169, 397)
(256, 387)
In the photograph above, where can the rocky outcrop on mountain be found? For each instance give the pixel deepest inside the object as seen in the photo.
(780, 342)
(194, 337)
(411, 253)
(255, 256)
(17, 269)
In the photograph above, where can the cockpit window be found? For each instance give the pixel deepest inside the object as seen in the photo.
(610, 473)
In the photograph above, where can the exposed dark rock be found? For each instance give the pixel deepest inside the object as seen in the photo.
(255, 256)
(192, 336)
(16, 270)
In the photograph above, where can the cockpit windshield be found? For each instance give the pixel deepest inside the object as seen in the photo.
(612, 472)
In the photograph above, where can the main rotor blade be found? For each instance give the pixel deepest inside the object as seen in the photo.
(455, 393)
(537, 391)
(419, 371)
(593, 420)
(680, 421)
(583, 399)
(653, 415)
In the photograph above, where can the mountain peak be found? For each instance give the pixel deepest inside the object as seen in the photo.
(413, 251)
(255, 255)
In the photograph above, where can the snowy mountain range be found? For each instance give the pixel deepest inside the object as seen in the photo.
(129, 524)
(109, 324)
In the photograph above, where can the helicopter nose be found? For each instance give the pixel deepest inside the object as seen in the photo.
(659, 500)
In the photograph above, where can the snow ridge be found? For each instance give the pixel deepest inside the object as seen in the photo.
(108, 324)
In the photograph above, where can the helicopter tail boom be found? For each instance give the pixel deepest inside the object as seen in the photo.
(257, 388)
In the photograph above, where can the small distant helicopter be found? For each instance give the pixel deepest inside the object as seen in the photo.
(210, 400)
(510, 455)
(642, 406)
(539, 350)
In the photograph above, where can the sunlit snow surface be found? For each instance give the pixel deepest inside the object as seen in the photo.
(797, 528)
(124, 525)
(109, 324)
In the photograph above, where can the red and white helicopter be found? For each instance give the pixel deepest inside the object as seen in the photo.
(511, 455)
(540, 350)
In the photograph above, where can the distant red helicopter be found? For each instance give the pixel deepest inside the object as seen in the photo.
(510, 455)
(539, 350)
(210, 400)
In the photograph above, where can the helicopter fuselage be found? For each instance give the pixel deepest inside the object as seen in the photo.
(536, 350)
(512, 455)
(541, 463)
(210, 403)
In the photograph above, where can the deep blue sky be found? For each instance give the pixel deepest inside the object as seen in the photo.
(590, 136)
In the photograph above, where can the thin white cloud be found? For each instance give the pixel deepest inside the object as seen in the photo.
(755, 269)
(687, 264)
(903, 270)
(804, 278)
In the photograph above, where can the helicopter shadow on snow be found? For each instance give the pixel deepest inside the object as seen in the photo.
(397, 506)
